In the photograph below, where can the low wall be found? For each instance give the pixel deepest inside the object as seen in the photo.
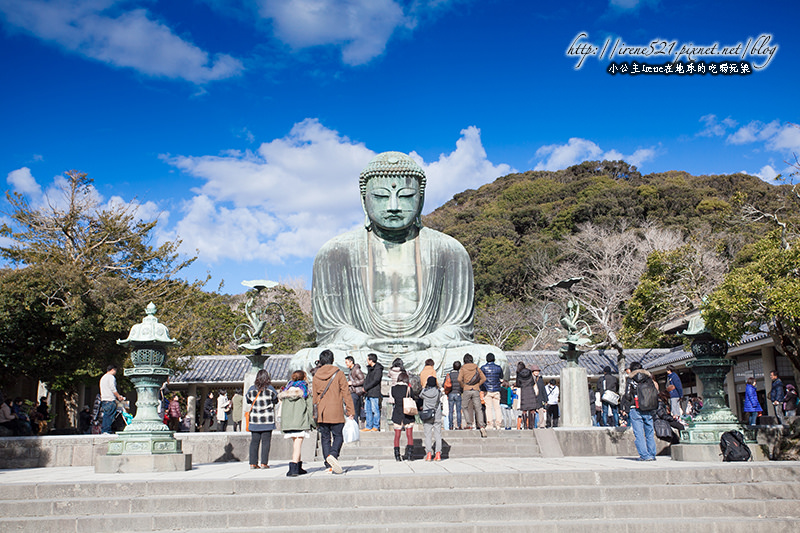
(585, 442)
(81, 450)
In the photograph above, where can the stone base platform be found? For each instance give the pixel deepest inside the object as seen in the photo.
(710, 453)
(132, 464)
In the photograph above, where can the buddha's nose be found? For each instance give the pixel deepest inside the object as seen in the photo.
(393, 205)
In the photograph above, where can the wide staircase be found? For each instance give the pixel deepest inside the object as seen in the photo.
(741, 498)
(462, 443)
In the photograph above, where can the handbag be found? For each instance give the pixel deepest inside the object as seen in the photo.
(409, 404)
(247, 413)
(427, 414)
(316, 411)
(662, 429)
(611, 397)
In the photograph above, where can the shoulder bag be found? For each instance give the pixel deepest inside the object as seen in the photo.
(409, 404)
(316, 411)
(247, 413)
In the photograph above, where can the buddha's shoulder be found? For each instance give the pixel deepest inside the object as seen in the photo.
(347, 239)
(441, 239)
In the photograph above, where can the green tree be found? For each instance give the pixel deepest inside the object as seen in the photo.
(763, 288)
(82, 274)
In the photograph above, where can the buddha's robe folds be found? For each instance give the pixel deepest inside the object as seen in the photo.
(365, 288)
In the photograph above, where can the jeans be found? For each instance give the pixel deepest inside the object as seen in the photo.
(472, 408)
(509, 420)
(264, 438)
(331, 437)
(373, 412)
(109, 410)
(643, 433)
(753, 418)
(356, 405)
(454, 406)
(433, 436)
(614, 413)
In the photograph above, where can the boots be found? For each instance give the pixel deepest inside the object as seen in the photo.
(438, 456)
(409, 452)
(397, 454)
(293, 470)
(427, 456)
(300, 470)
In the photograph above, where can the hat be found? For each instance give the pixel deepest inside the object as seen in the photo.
(534, 368)
(431, 382)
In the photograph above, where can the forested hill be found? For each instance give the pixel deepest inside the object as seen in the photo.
(505, 224)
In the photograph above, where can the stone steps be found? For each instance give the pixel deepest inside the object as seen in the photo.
(462, 443)
(724, 498)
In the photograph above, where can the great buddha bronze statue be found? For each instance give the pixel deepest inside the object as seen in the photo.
(394, 287)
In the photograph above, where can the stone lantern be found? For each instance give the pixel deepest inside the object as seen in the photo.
(146, 444)
(700, 440)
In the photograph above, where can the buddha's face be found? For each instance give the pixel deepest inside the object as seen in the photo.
(393, 203)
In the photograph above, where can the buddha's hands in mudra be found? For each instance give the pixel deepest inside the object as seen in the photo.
(398, 345)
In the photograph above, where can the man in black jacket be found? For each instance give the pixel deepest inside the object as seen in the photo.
(372, 393)
(609, 382)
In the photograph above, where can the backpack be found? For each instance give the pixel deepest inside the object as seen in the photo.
(646, 396)
(733, 446)
(448, 384)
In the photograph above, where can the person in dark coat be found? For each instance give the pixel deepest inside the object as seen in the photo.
(372, 393)
(608, 382)
(527, 398)
(751, 404)
(402, 422)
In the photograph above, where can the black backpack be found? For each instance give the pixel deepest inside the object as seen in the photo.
(646, 395)
(733, 446)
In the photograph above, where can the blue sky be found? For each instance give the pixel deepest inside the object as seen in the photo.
(244, 124)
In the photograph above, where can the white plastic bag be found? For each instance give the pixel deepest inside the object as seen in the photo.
(351, 432)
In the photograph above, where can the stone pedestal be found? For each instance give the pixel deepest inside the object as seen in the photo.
(575, 397)
(709, 453)
(700, 440)
(146, 444)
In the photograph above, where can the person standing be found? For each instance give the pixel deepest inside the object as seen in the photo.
(790, 400)
(609, 382)
(776, 395)
(526, 395)
(237, 406)
(507, 397)
(640, 412)
(454, 397)
(108, 397)
(402, 422)
(372, 393)
(223, 408)
(331, 393)
(751, 405)
(540, 396)
(552, 391)
(297, 418)
(494, 375)
(432, 427)
(471, 378)
(355, 381)
(675, 390)
(209, 407)
(174, 413)
(262, 398)
(427, 371)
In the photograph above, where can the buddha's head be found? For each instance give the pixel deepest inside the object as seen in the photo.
(392, 191)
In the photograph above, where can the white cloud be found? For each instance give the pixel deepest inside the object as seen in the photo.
(465, 168)
(361, 27)
(631, 5)
(767, 173)
(753, 132)
(560, 156)
(23, 182)
(294, 193)
(131, 39)
(714, 127)
(786, 139)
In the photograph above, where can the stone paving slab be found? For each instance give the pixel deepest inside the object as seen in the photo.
(380, 467)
